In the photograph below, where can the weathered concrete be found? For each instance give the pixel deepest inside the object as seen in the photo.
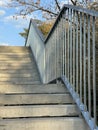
(27, 104)
(38, 111)
(35, 99)
(61, 123)
(12, 88)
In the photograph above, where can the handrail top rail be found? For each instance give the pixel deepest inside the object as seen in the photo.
(76, 8)
(66, 6)
(82, 10)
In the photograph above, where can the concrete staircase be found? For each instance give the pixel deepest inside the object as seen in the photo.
(25, 103)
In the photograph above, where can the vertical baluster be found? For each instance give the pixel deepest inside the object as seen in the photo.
(53, 59)
(56, 52)
(71, 46)
(81, 57)
(77, 55)
(84, 38)
(89, 66)
(74, 50)
(51, 55)
(45, 65)
(94, 69)
(48, 63)
(68, 48)
(65, 46)
(50, 60)
(63, 33)
(61, 45)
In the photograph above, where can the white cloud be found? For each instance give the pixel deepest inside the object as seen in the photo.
(2, 12)
(4, 2)
(18, 21)
(4, 44)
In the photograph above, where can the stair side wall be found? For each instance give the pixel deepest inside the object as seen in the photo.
(38, 50)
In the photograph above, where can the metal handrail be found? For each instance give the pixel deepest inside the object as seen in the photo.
(70, 53)
(77, 8)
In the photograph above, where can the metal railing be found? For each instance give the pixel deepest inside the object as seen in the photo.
(70, 53)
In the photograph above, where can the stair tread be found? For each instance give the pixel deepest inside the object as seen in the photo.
(16, 75)
(12, 99)
(10, 87)
(25, 103)
(38, 111)
(14, 49)
(61, 123)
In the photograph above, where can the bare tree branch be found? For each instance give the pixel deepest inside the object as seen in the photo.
(33, 7)
(74, 2)
(58, 6)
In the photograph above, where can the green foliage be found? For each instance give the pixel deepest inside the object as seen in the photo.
(25, 33)
(45, 27)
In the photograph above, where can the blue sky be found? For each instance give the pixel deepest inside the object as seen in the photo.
(10, 27)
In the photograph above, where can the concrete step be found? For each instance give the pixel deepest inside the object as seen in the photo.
(61, 123)
(15, 62)
(16, 99)
(4, 56)
(15, 67)
(13, 49)
(15, 58)
(19, 54)
(38, 111)
(9, 87)
(30, 75)
(17, 71)
(19, 80)
(23, 82)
